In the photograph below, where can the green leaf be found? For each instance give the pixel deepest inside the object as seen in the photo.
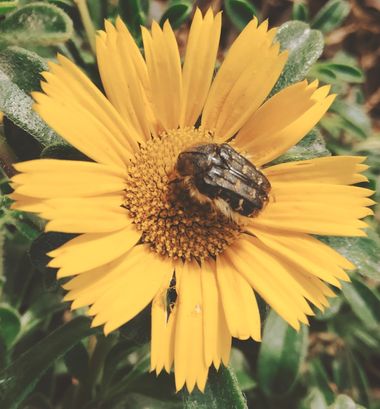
(332, 310)
(333, 73)
(22, 144)
(349, 375)
(63, 151)
(98, 11)
(7, 5)
(77, 362)
(281, 355)
(364, 252)
(364, 302)
(347, 72)
(331, 15)
(318, 377)
(300, 11)
(345, 402)
(222, 392)
(241, 369)
(304, 46)
(355, 119)
(36, 24)
(23, 222)
(10, 325)
(240, 12)
(177, 13)
(19, 379)
(19, 75)
(45, 243)
(311, 146)
(47, 304)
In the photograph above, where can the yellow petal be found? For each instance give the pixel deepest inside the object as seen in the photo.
(119, 62)
(314, 256)
(217, 339)
(189, 363)
(283, 121)
(250, 70)
(132, 291)
(340, 170)
(199, 65)
(86, 221)
(52, 178)
(67, 166)
(268, 277)
(89, 251)
(89, 286)
(164, 70)
(316, 208)
(239, 302)
(80, 113)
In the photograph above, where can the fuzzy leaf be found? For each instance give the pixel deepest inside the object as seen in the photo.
(36, 24)
(222, 391)
(304, 46)
(311, 146)
(19, 75)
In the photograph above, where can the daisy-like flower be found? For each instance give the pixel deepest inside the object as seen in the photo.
(143, 235)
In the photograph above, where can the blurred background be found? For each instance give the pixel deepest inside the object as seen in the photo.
(334, 363)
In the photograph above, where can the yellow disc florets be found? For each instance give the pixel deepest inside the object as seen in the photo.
(170, 220)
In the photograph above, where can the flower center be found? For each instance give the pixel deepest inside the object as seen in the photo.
(172, 222)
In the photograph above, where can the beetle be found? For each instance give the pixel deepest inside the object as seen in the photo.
(218, 174)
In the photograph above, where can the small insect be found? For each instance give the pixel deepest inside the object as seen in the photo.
(217, 174)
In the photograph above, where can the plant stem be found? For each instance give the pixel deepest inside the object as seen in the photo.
(87, 22)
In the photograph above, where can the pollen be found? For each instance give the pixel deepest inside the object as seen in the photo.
(172, 222)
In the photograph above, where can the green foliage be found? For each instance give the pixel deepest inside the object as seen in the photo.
(134, 14)
(365, 303)
(177, 13)
(10, 325)
(364, 252)
(281, 356)
(18, 379)
(331, 15)
(300, 11)
(240, 12)
(332, 72)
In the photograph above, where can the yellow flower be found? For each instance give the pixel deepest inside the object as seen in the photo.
(142, 233)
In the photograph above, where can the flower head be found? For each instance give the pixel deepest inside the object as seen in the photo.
(142, 230)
